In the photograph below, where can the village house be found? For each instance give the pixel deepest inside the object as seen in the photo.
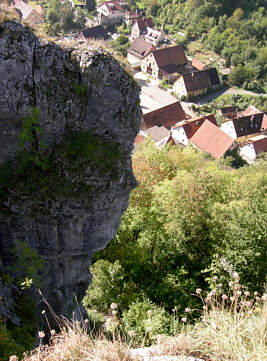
(139, 50)
(245, 126)
(140, 27)
(112, 12)
(165, 62)
(229, 112)
(132, 16)
(196, 83)
(210, 138)
(160, 135)
(31, 15)
(183, 131)
(94, 33)
(197, 64)
(165, 116)
(251, 149)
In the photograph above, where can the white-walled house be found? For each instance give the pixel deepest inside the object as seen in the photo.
(183, 131)
(251, 149)
(112, 12)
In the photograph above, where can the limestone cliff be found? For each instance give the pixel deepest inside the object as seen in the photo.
(65, 171)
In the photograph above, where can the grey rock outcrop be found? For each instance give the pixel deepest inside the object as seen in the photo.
(67, 202)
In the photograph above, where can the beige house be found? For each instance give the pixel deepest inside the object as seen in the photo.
(139, 50)
(164, 62)
(196, 83)
(28, 14)
(140, 27)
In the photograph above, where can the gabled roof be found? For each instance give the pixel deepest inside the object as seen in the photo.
(198, 64)
(250, 124)
(140, 48)
(260, 144)
(249, 111)
(115, 5)
(210, 138)
(192, 125)
(203, 79)
(24, 8)
(157, 133)
(142, 24)
(166, 116)
(96, 32)
(139, 139)
(170, 55)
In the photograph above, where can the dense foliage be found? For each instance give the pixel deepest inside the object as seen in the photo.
(236, 30)
(189, 220)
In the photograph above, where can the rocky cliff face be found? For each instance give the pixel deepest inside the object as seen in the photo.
(68, 120)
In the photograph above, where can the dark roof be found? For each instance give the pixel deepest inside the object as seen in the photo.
(140, 48)
(192, 125)
(249, 124)
(96, 32)
(210, 138)
(144, 23)
(201, 79)
(170, 55)
(166, 116)
(230, 109)
(169, 69)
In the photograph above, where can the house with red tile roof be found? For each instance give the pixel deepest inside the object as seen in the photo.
(229, 112)
(251, 149)
(165, 116)
(139, 50)
(245, 125)
(112, 12)
(197, 64)
(196, 83)
(93, 33)
(183, 131)
(210, 138)
(164, 62)
(140, 27)
(29, 14)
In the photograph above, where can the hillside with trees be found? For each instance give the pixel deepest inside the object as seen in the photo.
(189, 220)
(236, 30)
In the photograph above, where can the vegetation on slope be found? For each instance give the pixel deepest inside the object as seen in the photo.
(189, 220)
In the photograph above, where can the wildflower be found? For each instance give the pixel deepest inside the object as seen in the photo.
(224, 297)
(220, 285)
(247, 293)
(43, 312)
(131, 333)
(13, 358)
(86, 321)
(205, 308)
(149, 313)
(232, 298)
(149, 329)
(258, 298)
(184, 319)
(187, 309)
(264, 297)
(256, 294)
(198, 291)
(174, 309)
(41, 334)
(53, 332)
(230, 284)
(114, 306)
(246, 303)
(215, 278)
(239, 293)
(235, 276)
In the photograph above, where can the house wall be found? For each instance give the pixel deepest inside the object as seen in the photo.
(179, 87)
(132, 59)
(228, 128)
(151, 39)
(179, 135)
(248, 153)
(149, 62)
(107, 17)
(135, 31)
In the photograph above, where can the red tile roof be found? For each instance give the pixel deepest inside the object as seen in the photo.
(171, 55)
(260, 145)
(210, 138)
(144, 23)
(166, 116)
(198, 64)
(250, 124)
(192, 125)
(139, 138)
(201, 79)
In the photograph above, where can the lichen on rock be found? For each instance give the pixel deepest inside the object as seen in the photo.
(64, 188)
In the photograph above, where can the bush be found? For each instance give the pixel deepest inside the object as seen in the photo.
(147, 320)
